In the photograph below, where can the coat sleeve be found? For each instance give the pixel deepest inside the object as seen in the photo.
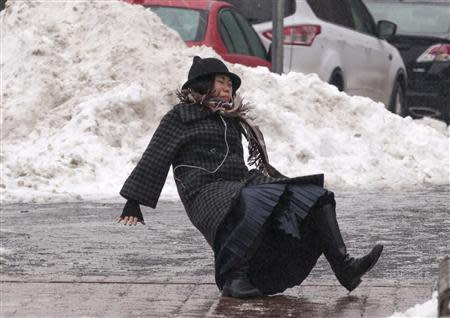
(147, 179)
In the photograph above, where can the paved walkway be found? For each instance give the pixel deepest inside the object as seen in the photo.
(72, 260)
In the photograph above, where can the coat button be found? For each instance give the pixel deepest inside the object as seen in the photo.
(212, 150)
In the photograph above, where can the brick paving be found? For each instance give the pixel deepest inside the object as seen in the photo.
(72, 260)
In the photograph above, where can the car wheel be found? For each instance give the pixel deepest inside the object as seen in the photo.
(397, 103)
(336, 80)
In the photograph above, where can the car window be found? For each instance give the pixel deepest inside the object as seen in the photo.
(256, 46)
(232, 34)
(362, 20)
(259, 11)
(414, 18)
(189, 23)
(225, 34)
(336, 11)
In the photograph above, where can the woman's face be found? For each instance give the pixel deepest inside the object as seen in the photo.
(223, 88)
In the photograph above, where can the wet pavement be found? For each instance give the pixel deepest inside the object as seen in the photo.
(72, 260)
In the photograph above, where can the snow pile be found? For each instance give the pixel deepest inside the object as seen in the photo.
(84, 85)
(426, 310)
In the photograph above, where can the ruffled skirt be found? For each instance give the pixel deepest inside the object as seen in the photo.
(269, 230)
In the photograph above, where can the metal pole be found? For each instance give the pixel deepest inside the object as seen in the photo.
(277, 35)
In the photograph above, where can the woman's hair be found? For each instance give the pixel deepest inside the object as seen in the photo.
(204, 85)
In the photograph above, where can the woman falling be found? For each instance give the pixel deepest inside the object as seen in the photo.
(266, 230)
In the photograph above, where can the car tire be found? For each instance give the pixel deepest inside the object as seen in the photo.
(336, 80)
(397, 102)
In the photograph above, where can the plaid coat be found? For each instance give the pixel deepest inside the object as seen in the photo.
(195, 142)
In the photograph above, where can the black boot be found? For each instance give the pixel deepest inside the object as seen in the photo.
(238, 285)
(348, 270)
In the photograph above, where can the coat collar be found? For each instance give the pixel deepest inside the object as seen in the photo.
(191, 112)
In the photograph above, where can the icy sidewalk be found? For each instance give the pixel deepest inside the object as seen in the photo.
(72, 260)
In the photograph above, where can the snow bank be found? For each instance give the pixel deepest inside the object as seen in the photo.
(84, 85)
(426, 310)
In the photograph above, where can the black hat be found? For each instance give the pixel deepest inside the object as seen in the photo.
(209, 66)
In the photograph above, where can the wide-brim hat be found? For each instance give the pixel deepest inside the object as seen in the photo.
(210, 66)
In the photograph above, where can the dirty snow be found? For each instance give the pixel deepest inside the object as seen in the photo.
(84, 84)
(427, 309)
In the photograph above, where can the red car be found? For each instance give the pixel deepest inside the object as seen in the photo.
(215, 24)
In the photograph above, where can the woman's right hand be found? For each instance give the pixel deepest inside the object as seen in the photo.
(129, 220)
(131, 214)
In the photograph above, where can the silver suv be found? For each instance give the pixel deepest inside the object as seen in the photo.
(339, 41)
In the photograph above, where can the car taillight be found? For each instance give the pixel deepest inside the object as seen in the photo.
(298, 34)
(438, 53)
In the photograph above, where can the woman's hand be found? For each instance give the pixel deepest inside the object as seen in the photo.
(129, 220)
(131, 214)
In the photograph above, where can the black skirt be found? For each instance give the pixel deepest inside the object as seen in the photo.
(269, 230)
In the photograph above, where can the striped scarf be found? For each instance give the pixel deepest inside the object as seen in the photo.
(237, 109)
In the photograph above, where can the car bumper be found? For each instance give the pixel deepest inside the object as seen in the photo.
(431, 100)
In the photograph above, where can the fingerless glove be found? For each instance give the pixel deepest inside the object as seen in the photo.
(132, 208)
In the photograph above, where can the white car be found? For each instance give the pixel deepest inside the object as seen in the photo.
(339, 41)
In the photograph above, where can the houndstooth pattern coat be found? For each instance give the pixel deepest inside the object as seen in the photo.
(194, 136)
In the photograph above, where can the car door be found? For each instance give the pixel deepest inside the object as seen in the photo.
(240, 40)
(377, 57)
(353, 51)
(340, 51)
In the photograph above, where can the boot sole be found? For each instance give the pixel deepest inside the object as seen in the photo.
(251, 294)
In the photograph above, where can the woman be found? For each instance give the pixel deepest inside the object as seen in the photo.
(266, 230)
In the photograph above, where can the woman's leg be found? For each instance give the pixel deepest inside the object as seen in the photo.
(236, 281)
(348, 270)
